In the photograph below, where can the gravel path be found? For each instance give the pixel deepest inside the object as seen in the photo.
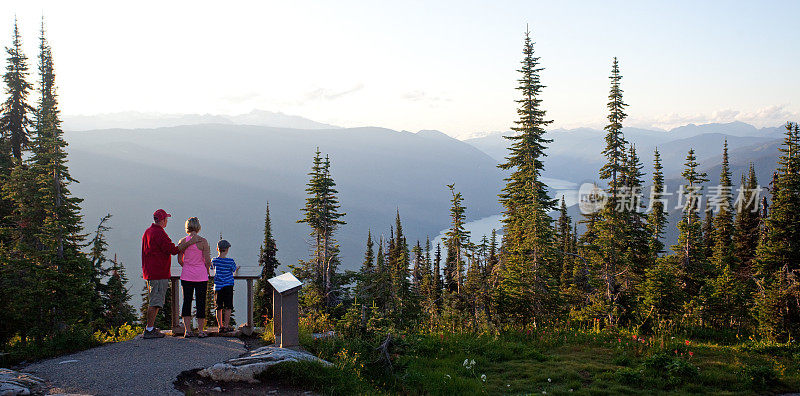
(136, 367)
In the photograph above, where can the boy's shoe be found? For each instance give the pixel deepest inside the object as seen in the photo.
(155, 333)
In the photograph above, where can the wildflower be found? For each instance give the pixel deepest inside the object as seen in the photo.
(687, 342)
(619, 340)
(544, 392)
(691, 353)
(483, 377)
(466, 362)
(472, 362)
(448, 376)
(676, 351)
(634, 336)
(549, 380)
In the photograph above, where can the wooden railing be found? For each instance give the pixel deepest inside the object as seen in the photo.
(175, 314)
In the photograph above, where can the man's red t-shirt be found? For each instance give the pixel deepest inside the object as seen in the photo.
(157, 250)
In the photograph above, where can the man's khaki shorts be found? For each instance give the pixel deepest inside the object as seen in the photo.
(157, 292)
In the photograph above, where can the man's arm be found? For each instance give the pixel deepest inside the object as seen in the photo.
(180, 255)
(188, 242)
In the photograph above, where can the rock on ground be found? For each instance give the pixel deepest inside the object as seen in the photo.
(14, 383)
(257, 361)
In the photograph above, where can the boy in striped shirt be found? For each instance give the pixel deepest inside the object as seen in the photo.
(223, 285)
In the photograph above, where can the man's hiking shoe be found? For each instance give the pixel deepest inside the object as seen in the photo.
(155, 333)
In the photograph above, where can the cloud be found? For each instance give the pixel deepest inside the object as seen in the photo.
(328, 94)
(422, 96)
(764, 117)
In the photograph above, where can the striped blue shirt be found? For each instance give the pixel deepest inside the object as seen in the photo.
(225, 268)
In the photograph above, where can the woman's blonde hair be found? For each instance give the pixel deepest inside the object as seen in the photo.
(193, 224)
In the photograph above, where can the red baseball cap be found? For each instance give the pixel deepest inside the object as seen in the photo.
(161, 214)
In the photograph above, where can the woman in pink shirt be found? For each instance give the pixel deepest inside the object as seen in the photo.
(195, 262)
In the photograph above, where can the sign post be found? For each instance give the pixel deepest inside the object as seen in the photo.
(285, 317)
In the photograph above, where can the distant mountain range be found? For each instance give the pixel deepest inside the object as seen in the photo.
(225, 173)
(576, 154)
(136, 120)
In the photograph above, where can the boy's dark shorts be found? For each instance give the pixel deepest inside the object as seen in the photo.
(225, 298)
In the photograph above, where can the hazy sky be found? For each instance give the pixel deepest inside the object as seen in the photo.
(422, 64)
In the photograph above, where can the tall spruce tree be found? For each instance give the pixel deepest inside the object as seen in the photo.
(118, 310)
(611, 224)
(399, 261)
(726, 302)
(657, 218)
(65, 269)
(690, 245)
(367, 274)
(456, 241)
(528, 281)
(321, 213)
(746, 226)
(777, 262)
(97, 255)
(268, 261)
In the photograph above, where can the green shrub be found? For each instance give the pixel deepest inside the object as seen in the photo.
(628, 376)
(760, 376)
(622, 360)
(73, 339)
(681, 369)
(328, 380)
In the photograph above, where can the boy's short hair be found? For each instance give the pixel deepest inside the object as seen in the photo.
(193, 224)
(223, 245)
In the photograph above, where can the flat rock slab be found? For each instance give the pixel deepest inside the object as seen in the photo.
(135, 367)
(246, 368)
(13, 383)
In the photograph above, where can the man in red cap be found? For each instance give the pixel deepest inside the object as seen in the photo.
(157, 250)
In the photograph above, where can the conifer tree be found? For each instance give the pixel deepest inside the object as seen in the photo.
(707, 230)
(726, 302)
(268, 261)
(456, 241)
(118, 310)
(529, 259)
(657, 218)
(473, 286)
(417, 263)
(15, 122)
(746, 227)
(611, 224)
(383, 280)
(438, 284)
(777, 262)
(563, 241)
(636, 232)
(99, 246)
(690, 245)
(399, 261)
(64, 270)
(321, 213)
(367, 274)
(615, 141)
